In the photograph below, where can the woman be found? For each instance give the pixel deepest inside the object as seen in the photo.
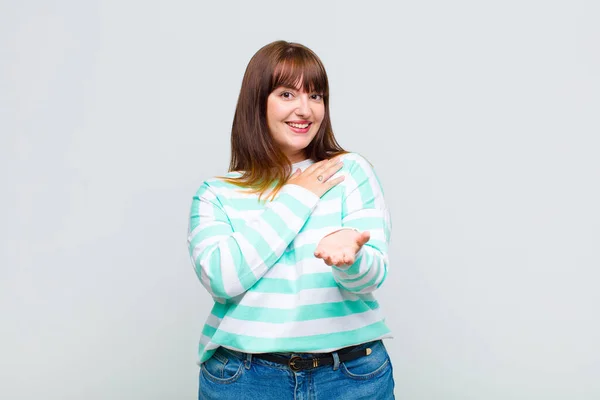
(291, 243)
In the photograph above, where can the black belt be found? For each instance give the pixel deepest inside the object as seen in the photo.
(297, 363)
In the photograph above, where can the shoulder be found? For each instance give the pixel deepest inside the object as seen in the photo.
(218, 186)
(359, 173)
(356, 163)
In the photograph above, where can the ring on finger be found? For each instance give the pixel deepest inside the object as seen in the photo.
(320, 178)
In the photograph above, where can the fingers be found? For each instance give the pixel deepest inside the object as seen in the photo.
(333, 182)
(342, 259)
(327, 168)
(318, 165)
(316, 177)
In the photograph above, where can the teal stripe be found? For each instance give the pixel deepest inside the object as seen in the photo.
(335, 192)
(294, 205)
(279, 225)
(211, 231)
(203, 354)
(295, 255)
(246, 204)
(322, 221)
(355, 268)
(385, 271)
(366, 223)
(361, 178)
(214, 271)
(194, 215)
(258, 242)
(244, 272)
(219, 310)
(301, 313)
(371, 282)
(377, 245)
(208, 330)
(307, 344)
(195, 207)
(284, 286)
(217, 183)
(366, 193)
(378, 181)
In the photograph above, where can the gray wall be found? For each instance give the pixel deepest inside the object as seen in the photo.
(480, 117)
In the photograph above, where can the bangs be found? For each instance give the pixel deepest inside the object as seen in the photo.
(298, 67)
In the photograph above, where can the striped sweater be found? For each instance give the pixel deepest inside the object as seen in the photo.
(271, 294)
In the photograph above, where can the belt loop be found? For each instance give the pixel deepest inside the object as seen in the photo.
(336, 360)
(248, 360)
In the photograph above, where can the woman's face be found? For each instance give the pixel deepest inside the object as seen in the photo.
(294, 118)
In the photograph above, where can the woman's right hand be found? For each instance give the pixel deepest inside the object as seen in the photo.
(316, 178)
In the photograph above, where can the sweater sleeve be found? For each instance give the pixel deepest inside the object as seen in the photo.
(229, 262)
(364, 209)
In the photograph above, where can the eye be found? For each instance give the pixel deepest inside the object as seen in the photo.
(317, 96)
(287, 95)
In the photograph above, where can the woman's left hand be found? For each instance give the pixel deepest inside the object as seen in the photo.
(339, 248)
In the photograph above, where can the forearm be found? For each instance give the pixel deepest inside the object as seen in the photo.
(368, 271)
(230, 262)
(364, 209)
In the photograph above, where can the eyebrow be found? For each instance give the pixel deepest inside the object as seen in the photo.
(287, 87)
(297, 90)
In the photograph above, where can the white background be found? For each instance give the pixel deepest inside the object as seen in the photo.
(481, 118)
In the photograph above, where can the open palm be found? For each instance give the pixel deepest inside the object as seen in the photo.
(339, 248)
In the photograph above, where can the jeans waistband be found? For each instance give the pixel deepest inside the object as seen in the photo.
(244, 356)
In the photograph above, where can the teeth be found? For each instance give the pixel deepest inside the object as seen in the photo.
(300, 126)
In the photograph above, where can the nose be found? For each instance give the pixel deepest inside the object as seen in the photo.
(303, 109)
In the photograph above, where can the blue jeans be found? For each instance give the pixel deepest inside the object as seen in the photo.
(230, 374)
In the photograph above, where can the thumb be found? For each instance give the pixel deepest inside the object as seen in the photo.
(364, 238)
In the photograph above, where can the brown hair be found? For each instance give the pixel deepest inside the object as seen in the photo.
(253, 151)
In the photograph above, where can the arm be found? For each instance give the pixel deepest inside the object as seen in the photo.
(364, 209)
(228, 263)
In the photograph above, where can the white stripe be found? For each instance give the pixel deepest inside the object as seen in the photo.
(229, 276)
(378, 234)
(250, 254)
(208, 345)
(233, 192)
(208, 196)
(319, 326)
(375, 269)
(377, 280)
(287, 215)
(295, 272)
(302, 298)
(270, 235)
(213, 320)
(196, 230)
(203, 277)
(353, 198)
(305, 196)
(206, 243)
(313, 236)
(379, 203)
(366, 213)
(247, 215)
(329, 206)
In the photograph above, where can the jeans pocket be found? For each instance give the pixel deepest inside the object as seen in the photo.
(222, 368)
(367, 367)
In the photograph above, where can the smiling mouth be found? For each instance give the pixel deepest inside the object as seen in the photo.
(299, 126)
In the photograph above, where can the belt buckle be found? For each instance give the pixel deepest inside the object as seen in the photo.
(292, 363)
